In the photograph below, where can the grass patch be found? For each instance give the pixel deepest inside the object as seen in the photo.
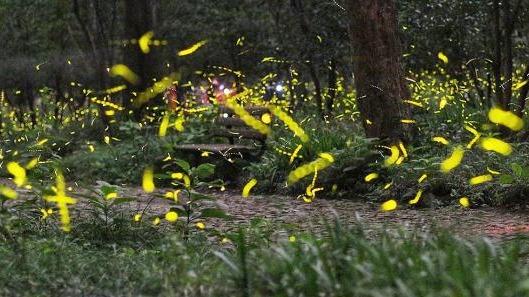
(343, 262)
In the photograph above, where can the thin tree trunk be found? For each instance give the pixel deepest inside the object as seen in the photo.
(378, 73)
(297, 5)
(293, 88)
(30, 101)
(58, 98)
(317, 88)
(477, 85)
(489, 90)
(498, 54)
(523, 93)
(508, 46)
(331, 86)
(2, 94)
(98, 56)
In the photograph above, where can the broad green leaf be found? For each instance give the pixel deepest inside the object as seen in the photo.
(204, 170)
(123, 200)
(183, 164)
(162, 176)
(517, 169)
(105, 190)
(195, 196)
(506, 179)
(181, 212)
(214, 213)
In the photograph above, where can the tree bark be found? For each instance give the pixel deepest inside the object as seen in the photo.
(3, 109)
(308, 55)
(331, 84)
(523, 93)
(497, 54)
(509, 64)
(138, 21)
(378, 73)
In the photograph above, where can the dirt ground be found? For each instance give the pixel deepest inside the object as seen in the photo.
(288, 213)
(292, 213)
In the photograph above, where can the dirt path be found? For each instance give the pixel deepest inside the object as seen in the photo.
(291, 213)
(288, 213)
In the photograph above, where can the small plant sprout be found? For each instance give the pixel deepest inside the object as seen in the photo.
(188, 207)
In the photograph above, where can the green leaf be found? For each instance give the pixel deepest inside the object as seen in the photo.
(506, 179)
(91, 198)
(48, 192)
(214, 213)
(204, 170)
(105, 190)
(122, 200)
(98, 204)
(161, 176)
(517, 169)
(226, 259)
(523, 285)
(181, 212)
(183, 164)
(195, 196)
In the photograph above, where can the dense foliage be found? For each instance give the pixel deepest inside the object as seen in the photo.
(89, 168)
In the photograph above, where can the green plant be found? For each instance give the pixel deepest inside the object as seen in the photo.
(351, 152)
(187, 203)
(108, 211)
(119, 162)
(349, 262)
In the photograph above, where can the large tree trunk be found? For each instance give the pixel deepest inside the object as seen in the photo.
(139, 20)
(378, 74)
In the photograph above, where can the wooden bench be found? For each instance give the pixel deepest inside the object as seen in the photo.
(240, 140)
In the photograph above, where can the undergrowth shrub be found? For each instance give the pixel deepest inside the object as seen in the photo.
(351, 150)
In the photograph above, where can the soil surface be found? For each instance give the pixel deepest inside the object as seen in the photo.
(290, 215)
